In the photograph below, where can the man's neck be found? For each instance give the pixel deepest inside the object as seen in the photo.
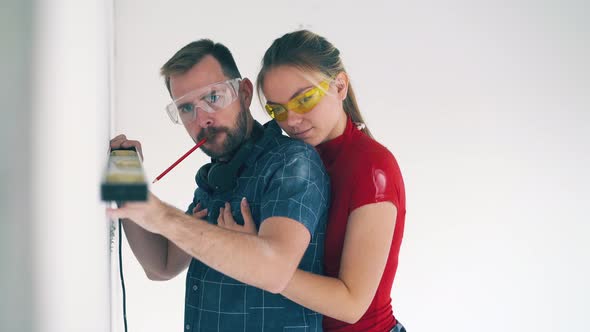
(249, 130)
(249, 127)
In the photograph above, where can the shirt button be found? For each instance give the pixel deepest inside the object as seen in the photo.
(195, 287)
(188, 327)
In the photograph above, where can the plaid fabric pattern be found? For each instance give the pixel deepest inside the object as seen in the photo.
(282, 177)
(398, 328)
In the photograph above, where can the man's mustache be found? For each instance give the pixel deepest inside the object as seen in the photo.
(210, 132)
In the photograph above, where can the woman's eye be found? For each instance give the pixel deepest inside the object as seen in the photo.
(305, 99)
(186, 108)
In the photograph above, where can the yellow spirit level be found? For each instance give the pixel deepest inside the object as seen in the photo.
(124, 179)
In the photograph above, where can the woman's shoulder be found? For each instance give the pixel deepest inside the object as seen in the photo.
(376, 175)
(370, 150)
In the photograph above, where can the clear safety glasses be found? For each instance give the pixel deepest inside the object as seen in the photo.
(211, 98)
(302, 103)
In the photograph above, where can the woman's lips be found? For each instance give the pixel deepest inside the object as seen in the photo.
(303, 133)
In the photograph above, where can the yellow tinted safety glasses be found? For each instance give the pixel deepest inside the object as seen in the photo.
(302, 103)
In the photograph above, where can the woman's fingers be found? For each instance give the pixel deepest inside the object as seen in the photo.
(249, 225)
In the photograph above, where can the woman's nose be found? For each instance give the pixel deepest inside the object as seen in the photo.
(293, 118)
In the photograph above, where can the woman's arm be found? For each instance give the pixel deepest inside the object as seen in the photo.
(366, 247)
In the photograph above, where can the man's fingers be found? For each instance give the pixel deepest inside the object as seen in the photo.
(121, 141)
(113, 214)
(115, 144)
(135, 144)
(117, 140)
(131, 143)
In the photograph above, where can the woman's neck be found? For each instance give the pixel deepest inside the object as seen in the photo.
(338, 128)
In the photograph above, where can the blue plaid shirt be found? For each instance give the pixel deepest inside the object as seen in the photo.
(283, 177)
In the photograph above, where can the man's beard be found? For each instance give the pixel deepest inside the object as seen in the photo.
(234, 138)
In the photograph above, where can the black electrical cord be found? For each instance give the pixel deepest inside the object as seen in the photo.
(122, 279)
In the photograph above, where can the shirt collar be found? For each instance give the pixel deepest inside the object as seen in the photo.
(331, 149)
(271, 130)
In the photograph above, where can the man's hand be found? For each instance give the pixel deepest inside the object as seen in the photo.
(121, 141)
(150, 215)
(226, 220)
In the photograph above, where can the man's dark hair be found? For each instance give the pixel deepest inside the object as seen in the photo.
(191, 54)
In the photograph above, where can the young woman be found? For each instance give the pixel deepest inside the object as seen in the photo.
(308, 92)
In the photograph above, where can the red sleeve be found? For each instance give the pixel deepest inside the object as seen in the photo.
(376, 179)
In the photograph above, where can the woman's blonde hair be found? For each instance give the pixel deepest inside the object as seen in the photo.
(309, 52)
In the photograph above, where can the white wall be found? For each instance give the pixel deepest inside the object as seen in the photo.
(15, 167)
(54, 237)
(485, 105)
(69, 131)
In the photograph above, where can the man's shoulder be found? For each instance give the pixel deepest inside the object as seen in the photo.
(280, 144)
(289, 146)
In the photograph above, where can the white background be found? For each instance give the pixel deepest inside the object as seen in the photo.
(485, 104)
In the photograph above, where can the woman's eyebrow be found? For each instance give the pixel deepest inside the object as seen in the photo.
(293, 96)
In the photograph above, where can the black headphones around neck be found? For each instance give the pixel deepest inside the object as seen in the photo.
(218, 176)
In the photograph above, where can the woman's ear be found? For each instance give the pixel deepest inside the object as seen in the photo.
(341, 82)
(246, 90)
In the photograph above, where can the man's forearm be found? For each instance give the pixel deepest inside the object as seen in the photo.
(150, 249)
(251, 259)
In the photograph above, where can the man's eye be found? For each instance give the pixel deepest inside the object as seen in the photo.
(186, 108)
(212, 98)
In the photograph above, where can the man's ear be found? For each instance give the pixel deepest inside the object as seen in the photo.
(341, 82)
(246, 91)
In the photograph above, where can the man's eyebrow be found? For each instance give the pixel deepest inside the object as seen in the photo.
(208, 93)
(293, 96)
(213, 87)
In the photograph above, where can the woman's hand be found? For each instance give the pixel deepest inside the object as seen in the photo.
(226, 220)
(198, 213)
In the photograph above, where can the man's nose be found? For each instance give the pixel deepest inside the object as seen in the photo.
(204, 118)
